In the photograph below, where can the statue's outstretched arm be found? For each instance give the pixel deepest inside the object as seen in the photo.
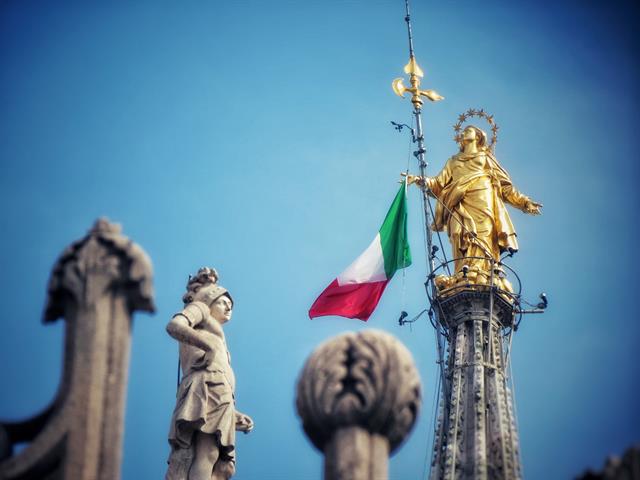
(433, 184)
(513, 197)
(508, 192)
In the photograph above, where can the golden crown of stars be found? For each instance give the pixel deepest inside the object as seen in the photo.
(472, 112)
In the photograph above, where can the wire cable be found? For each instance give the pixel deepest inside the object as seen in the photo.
(431, 428)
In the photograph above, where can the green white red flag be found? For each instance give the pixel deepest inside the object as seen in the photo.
(356, 291)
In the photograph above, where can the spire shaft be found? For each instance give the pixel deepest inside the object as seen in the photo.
(407, 19)
(420, 154)
(415, 73)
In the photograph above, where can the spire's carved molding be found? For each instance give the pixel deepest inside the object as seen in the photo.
(476, 433)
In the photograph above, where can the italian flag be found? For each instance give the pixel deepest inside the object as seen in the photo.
(357, 290)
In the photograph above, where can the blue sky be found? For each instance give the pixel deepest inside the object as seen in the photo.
(254, 137)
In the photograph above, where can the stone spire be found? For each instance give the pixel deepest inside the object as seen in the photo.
(476, 435)
(95, 286)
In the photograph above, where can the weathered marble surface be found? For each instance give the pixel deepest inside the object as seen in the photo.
(358, 397)
(476, 434)
(95, 286)
(205, 418)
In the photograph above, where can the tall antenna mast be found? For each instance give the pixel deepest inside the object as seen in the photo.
(415, 74)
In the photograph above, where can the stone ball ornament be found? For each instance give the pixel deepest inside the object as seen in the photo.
(366, 379)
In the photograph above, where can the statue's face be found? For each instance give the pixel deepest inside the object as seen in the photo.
(221, 309)
(469, 135)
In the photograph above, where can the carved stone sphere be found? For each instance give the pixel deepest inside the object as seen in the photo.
(365, 379)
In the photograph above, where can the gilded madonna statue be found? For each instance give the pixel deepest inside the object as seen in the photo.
(471, 191)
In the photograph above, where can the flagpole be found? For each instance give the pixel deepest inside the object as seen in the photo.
(415, 73)
(420, 155)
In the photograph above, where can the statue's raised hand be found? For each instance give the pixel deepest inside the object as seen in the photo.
(533, 208)
(417, 179)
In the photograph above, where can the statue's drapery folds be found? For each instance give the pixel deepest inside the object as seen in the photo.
(472, 191)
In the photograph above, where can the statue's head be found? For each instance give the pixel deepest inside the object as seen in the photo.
(473, 134)
(203, 287)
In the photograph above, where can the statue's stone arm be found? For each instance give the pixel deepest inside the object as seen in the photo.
(181, 326)
(244, 423)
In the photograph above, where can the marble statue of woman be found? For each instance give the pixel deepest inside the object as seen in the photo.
(204, 422)
(472, 190)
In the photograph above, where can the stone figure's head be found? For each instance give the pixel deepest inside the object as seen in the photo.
(473, 134)
(221, 307)
(203, 287)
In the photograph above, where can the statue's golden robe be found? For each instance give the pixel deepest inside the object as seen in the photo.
(472, 190)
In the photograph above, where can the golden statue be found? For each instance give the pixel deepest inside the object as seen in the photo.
(471, 192)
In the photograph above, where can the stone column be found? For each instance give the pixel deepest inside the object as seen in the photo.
(476, 436)
(96, 285)
(358, 397)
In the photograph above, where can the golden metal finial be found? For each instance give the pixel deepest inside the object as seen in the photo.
(412, 68)
(415, 73)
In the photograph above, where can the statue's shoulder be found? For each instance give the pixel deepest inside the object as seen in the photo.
(452, 159)
(194, 312)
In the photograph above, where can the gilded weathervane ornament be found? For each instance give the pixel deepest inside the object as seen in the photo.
(415, 74)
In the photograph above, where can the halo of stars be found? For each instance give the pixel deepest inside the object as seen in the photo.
(472, 112)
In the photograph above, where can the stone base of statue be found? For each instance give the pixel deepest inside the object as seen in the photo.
(179, 461)
(474, 279)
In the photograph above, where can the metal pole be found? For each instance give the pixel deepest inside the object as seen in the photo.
(420, 155)
(419, 139)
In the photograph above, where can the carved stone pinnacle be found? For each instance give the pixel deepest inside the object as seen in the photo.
(95, 286)
(365, 380)
(121, 263)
